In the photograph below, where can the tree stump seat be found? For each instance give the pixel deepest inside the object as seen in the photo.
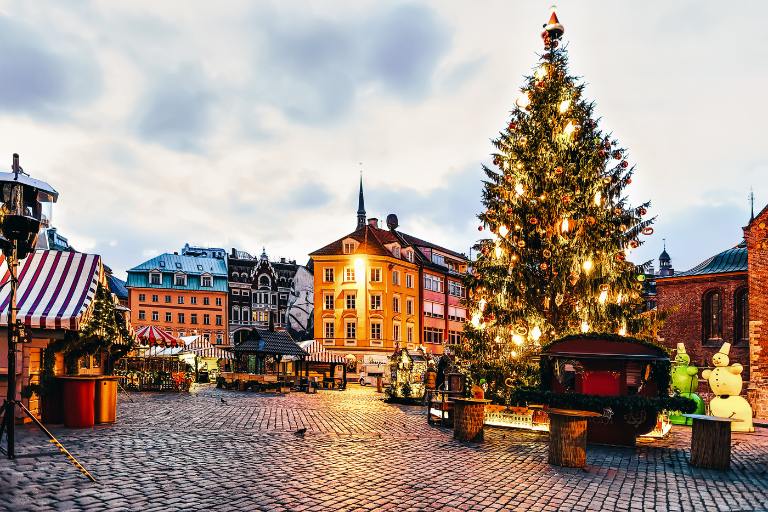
(711, 441)
(568, 437)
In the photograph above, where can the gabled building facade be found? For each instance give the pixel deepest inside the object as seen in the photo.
(182, 294)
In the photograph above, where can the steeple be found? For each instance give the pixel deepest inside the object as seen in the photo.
(361, 205)
(752, 204)
(665, 262)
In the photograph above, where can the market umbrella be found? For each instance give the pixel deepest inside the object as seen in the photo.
(153, 336)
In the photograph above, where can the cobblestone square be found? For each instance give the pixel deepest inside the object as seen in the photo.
(195, 452)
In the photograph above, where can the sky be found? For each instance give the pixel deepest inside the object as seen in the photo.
(246, 124)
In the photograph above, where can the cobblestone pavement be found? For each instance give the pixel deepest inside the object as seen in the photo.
(193, 452)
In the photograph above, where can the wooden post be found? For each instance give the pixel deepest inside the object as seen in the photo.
(711, 444)
(567, 441)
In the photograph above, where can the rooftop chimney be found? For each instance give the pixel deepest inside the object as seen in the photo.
(282, 260)
(373, 222)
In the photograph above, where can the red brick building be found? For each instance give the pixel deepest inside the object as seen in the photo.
(724, 299)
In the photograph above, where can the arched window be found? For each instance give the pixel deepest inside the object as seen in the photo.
(235, 314)
(741, 315)
(712, 318)
(246, 315)
(263, 281)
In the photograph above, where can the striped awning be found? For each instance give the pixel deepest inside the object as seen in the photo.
(151, 335)
(56, 288)
(318, 354)
(203, 348)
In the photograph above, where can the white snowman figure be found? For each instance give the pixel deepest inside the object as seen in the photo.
(725, 381)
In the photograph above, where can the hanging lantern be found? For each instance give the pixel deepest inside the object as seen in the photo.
(584, 326)
(587, 265)
(564, 225)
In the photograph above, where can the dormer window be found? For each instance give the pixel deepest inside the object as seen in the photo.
(200, 267)
(350, 245)
(162, 264)
(206, 281)
(408, 255)
(179, 279)
(155, 278)
(178, 265)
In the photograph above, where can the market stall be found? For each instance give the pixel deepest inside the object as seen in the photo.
(207, 359)
(321, 366)
(155, 365)
(408, 370)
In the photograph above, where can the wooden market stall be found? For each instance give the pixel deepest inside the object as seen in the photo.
(320, 365)
(256, 362)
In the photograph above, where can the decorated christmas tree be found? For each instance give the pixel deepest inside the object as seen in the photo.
(560, 231)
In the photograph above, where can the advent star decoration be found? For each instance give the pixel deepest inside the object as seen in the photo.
(560, 231)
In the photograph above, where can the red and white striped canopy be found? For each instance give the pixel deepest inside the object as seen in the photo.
(56, 288)
(151, 335)
(318, 354)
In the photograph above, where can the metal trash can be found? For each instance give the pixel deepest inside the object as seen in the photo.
(105, 401)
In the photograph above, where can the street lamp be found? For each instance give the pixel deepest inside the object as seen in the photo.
(25, 207)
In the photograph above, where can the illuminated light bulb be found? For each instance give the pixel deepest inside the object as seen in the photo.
(514, 257)
(584, 326)
(498, 251)
(497, 339)
(523, 100)
(623, 330)
(513, 354)
(519, 190)
(476, 320)
(518, 227)
(619, 298)
(564, 106)
(587, 265)
(481, 304)
(603, 297)
(598, 198)
(569, 129)
(565, 225)
(517, 339)
(541, 72)
(503, 230)
(536, 333)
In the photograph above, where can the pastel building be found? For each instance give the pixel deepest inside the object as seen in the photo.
(182, 294)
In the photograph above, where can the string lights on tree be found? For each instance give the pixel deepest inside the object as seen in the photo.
(559, 228)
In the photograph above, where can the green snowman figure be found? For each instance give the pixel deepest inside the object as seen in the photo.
(685, 381)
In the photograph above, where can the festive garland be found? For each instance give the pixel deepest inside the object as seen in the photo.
(595, 403)
(603, 336)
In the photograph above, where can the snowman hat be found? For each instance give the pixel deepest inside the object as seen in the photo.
(681, 348)
(725, 348)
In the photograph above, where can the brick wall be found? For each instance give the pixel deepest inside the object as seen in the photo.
(756, 236)
(682, 297)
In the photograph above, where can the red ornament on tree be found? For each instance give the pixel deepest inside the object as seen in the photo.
(617, 154)
(480, 227)
(512, 126)
(624, 164)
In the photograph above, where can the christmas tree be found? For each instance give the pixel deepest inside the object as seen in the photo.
(560, 229)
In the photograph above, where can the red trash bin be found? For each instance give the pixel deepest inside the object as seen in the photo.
(79, 394)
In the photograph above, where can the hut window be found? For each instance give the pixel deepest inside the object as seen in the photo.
(713, 316)
(741, 317)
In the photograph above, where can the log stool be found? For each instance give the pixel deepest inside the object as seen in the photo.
(711, 441)
(568, 437)
(468, 419)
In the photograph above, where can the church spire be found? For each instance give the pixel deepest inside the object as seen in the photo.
(361, 205)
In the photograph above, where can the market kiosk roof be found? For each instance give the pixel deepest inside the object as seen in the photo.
(264, 341)
(56, 288)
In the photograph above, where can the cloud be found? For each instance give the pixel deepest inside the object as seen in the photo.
(40, 79)
(176, 110)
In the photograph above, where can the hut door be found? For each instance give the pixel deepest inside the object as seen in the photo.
(604, 383)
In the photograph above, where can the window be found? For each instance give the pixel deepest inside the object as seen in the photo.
(457, 314)
(167, 299)
(246, 293)
(143, 297)
(409, 333)
(396, 251)
(375, 275)
(376, 301)
(396, 277)
(433, 335)
(206, 337)
(438, 259)
(206, 281)
(162, 264)
(408, 255)
(155, 316)
(396, 304)
(409, 306)
(155, 298)
(218, 301)
(199, 267)
(142, 315)
(206, 301)
(396, 332)
(219, 320)
(264, 282)
(409, 280)
(180, 280)
(712, 316)
(456, 289)
(155, 278)
(349, 274)
(181, 318)
(219, 338)
(375, 330)
(193, 318)
(454, 337)
(235, 291)
(328, 275)
(351, 329)
(235, 314)
(328, 301)
(328, 329)
(246, 316)
(741, 315)
(181, 299)
(349, 247)
(206, 319)
(168, 316)
(433, 309)
(178, 265)
(193, 300)
(433, 283)
(351, 300)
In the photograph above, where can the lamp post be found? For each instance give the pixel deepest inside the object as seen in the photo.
(24, 209)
